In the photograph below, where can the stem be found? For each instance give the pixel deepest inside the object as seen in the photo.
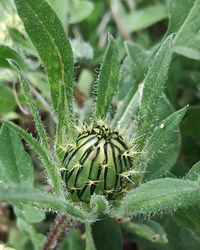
(119, 22)
(58, 231)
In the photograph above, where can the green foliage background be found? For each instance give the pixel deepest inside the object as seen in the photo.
(155, 51)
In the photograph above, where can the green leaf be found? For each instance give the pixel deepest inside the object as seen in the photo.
(153, 89)
(73, 241)
(80, 10)
(30, 214)
(81, 50)
(61, 8)
(103, 231)
(161, 195)
(42, 200)
(60, 123)
(36, 238)
(132, 73)
(8, 53)
(149, 230)
(15, 163)
(194, 172)
(143, 18)
(184, 19)
(189, 219)
(89, 240)
(108, 78)
(21, 42)
(125, 114)
(179, 238)
(52, 171)
(32, 106)
(7, 100)
(161, 150)
(48, 36)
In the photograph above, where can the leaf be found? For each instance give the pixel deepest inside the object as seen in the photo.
(81, 50)
(194, 172)
(89, 240)
(125, 114)
(191, 125)
(7, 100)
(15, 163)
(16, 167)
(60, 123)
(161, 150)
(52, 172)
(36, 238)
(32, 106)
(73, 241)
(53, 46)
(21, 42)
(29, 214)
(143, 18)
(42, 200)
(103, 231)
(149, 230)
(153, 89)
(189, 219)
(179, 238)
(161, 195)
(61, 8)
(132, 73)
(80, 10)
(184, 20)
(108, 78)
(8, 53)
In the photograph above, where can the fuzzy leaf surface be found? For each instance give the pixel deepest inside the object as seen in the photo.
(194, 173)
(161, 195)
(42, 200)
(53, 46)
(162, 149)
(108, 78)
(52, 172)
(153, 89)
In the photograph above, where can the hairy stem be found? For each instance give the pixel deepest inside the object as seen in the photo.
(58, 231)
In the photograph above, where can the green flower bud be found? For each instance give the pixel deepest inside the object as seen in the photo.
(97, 164)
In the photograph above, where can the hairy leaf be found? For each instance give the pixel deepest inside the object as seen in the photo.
(48, 36)
(108, 78)
(153, 89)
(32, 106)
(194, 173)
(161, 195)
(38, 149)
(161, 144)
(41, 200)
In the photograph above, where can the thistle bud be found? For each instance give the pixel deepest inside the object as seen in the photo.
(97, 164)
